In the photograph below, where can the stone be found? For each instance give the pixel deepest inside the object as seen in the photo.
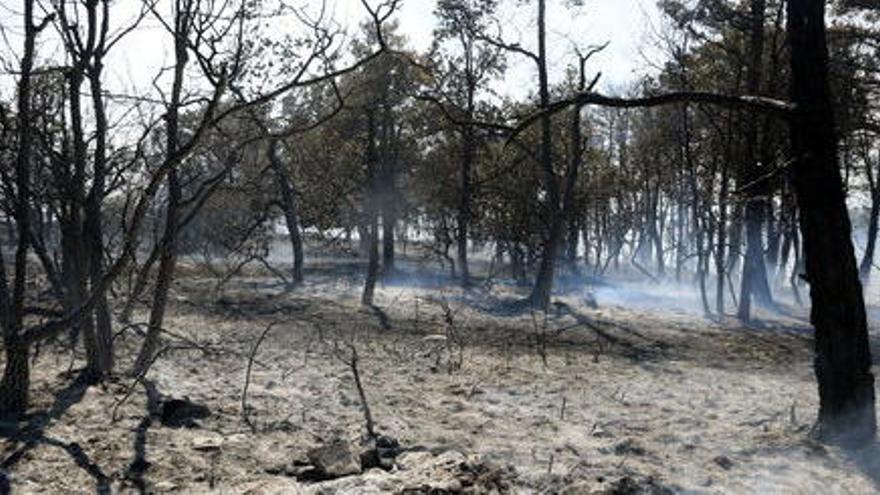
(334, 460)
(207, 443)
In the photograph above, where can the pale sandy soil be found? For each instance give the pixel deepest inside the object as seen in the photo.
(663, 397)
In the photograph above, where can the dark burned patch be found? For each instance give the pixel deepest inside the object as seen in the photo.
(629, 447)
(380, 453)
(259, 306)
(182, 413)
(629, 485)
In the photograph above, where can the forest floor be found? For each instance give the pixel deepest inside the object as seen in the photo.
(636, 395)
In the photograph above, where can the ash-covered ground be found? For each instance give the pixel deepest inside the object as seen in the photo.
(469, 390)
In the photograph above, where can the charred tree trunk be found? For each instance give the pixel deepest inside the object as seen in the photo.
(517, 263)
(774, 240)
(843, 357)
(571, 174)
(164, 277)
(385, 174)
(75, 237)
(721, 244)
(93, 227)
(571, 244)
(39, 234)
(468, 150)
(15, 384)
(586, 240)
(168, 246)
(679, 236)
(372, 213)
(140, 284)
(868, 258)
(873, 219)
(389, 220)
(696, 205)
(541, 291)
(74, 265)
(654, 232)
(754, 272)
(288, 205)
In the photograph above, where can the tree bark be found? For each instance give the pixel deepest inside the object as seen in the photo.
(754, 274)
(140, 283)
(164, 277)
(288, 204)
(843, 358)
(93, 226)
(868, 258)
(372, 213)
(464, 180)
(386, 172)
(168, 247)
(15, 384)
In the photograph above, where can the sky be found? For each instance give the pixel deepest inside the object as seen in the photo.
(626, 24)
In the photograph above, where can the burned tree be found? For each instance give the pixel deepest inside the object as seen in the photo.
(843, 357)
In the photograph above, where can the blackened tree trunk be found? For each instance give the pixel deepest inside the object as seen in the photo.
(679, 236)
(754, 274)
(843, 358)
(655, 237)
(164, 277)
(363, 230)
(696, 207)
(572, 240)
(774, 240)
(389, 222)
(372, 212)
(464, 183)
(771, 142)
(82, 230)
(39, 233)
(386, 174)
(93, 227)
(73, 231)
(15, 384)
(168, 247)
(873, 219)
(140, 284)
(571, 174)
(16, 381)
(868, 257)
(541, 291)
(721, 244)
(288, 205)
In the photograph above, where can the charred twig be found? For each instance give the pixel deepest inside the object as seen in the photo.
(247, 376)
(540, 336)
(352, 363)
(368, 417)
